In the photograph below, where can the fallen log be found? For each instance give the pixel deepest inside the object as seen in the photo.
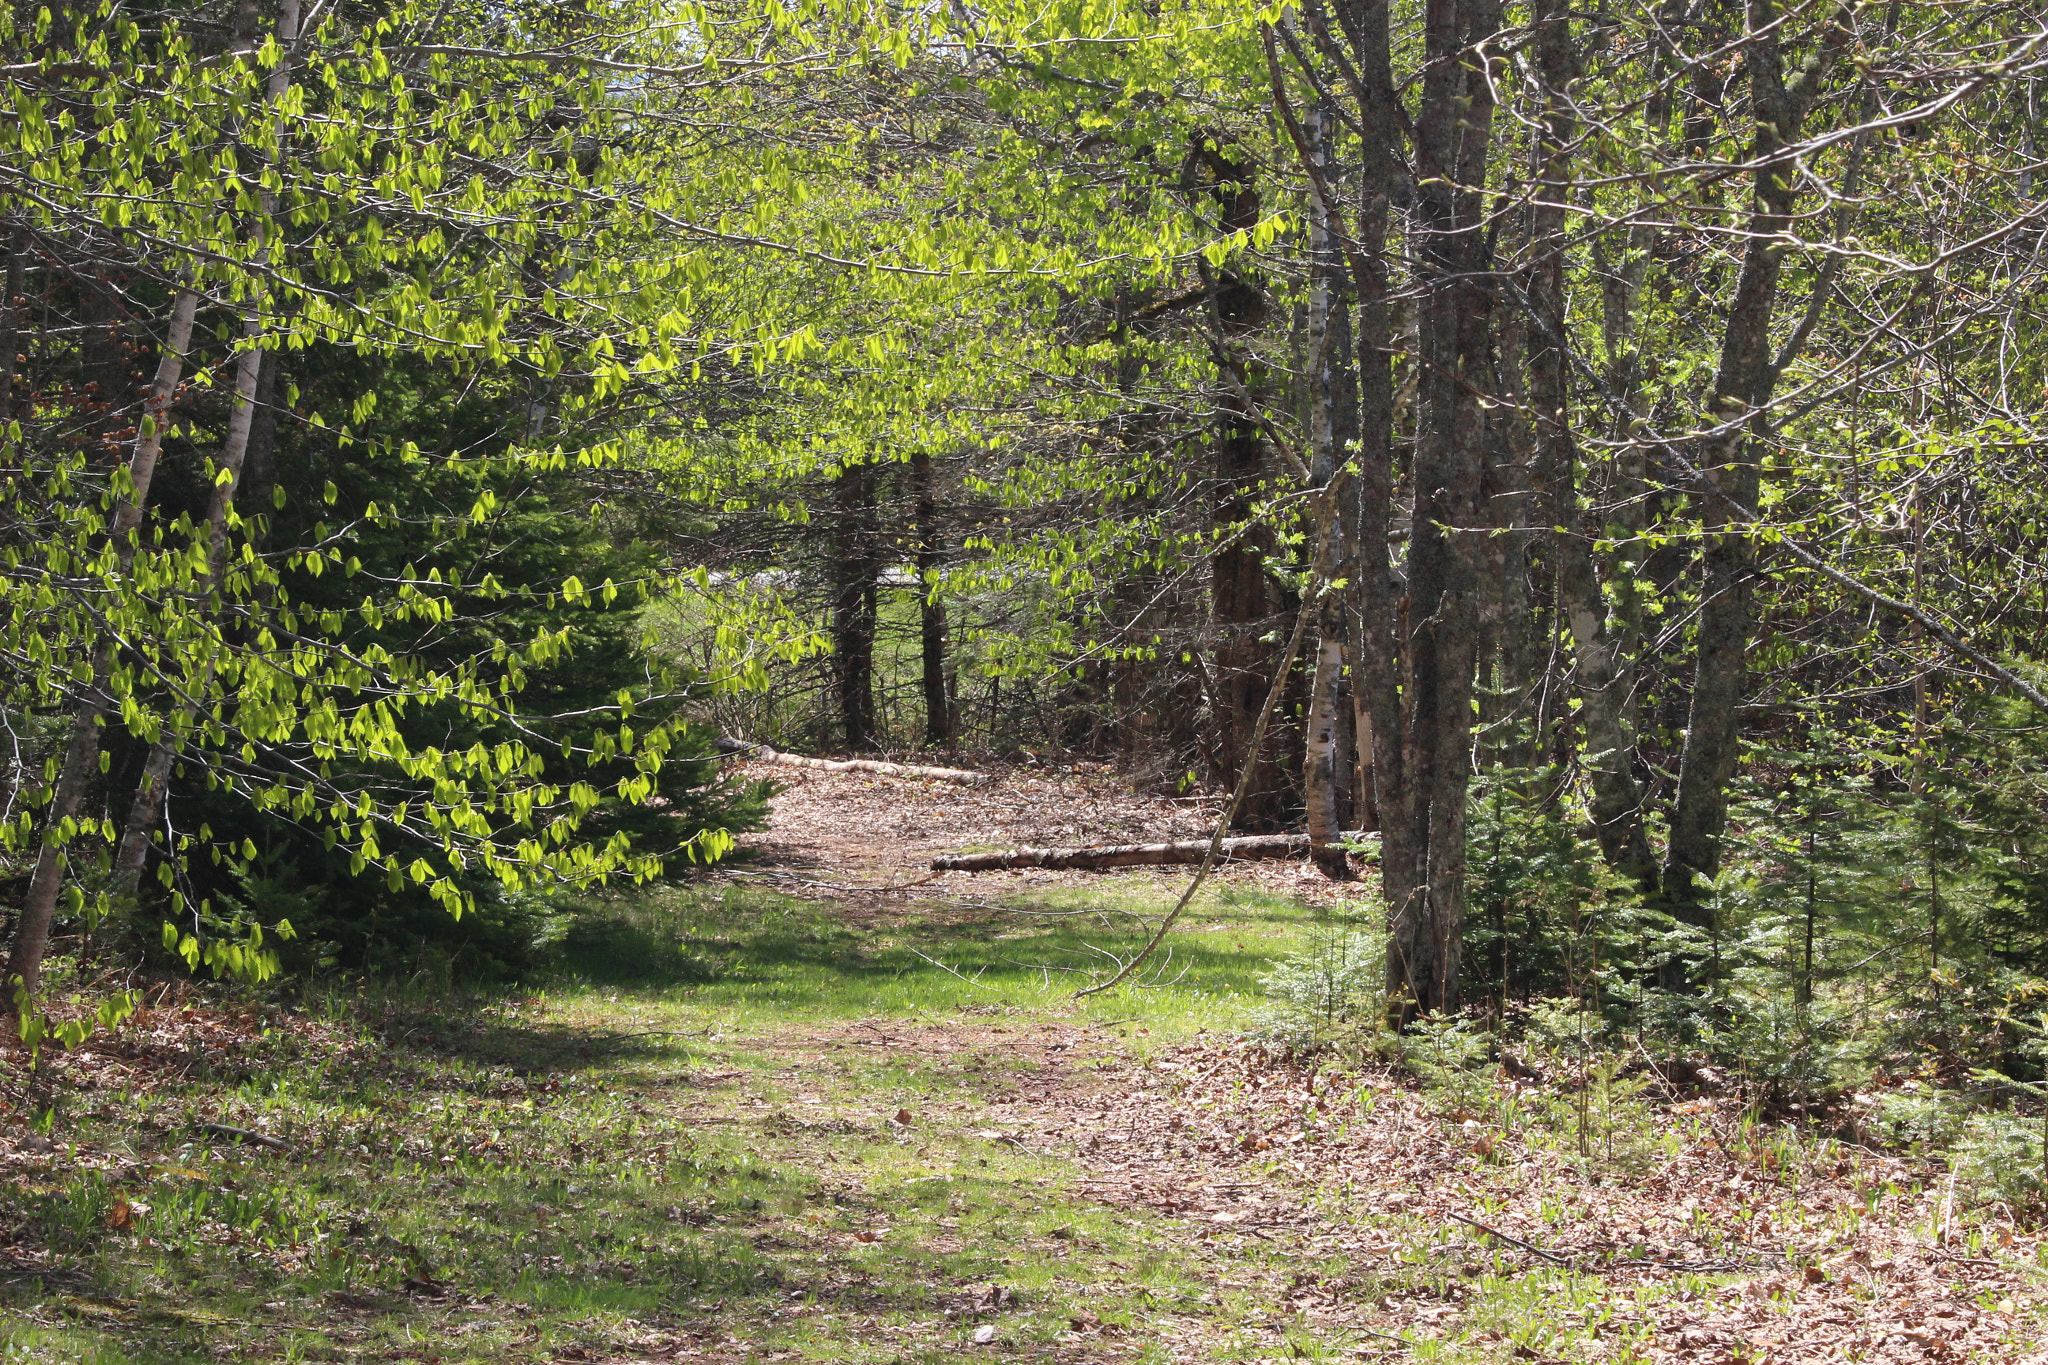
(763, 754)
(1126, 855)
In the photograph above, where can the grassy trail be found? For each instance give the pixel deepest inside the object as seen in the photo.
(737, 1124)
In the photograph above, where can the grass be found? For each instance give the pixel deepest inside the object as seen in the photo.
(626, 1155)
(754, 958)
(728, 1125)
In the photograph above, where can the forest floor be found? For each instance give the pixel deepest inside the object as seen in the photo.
(805, 1111)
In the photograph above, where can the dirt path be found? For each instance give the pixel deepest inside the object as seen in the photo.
(857, 831)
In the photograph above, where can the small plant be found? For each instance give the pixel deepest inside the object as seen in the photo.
(1917, 1117)
(1332, 986)
(1998, 1158)
(1450, 1054)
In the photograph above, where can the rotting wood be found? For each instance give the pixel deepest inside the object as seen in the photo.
(763, 754)
(1128, 855)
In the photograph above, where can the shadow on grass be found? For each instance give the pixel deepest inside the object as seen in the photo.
(525, 1047)
(715, 943)
(431, 1196)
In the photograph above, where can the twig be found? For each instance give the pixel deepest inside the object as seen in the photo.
(1529, 1247)
(1309, 601)
(944, 968)
(246, 1135)
(1384, 1336)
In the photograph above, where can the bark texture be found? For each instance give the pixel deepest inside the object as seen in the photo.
(1242, 598)
(1333, 433)
(1128, 855)
(1599, 673)
(855, 567)
(82, 751)
(1743, 384)
(1438, 614)
(935, 679)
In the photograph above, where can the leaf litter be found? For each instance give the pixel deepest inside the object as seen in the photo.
(1727, 1251)
(1358, 1211)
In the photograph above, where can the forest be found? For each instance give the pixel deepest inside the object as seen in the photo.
(811, 680)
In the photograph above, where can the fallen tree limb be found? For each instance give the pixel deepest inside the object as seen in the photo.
(1126, 855)
(248, 1135)
(762, 753)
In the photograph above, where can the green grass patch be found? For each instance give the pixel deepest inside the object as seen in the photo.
(750, 957)
(617, 1157)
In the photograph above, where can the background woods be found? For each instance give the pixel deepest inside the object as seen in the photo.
(430, 429)
(1361, 678)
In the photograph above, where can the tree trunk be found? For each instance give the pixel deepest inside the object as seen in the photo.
(761, 753)
(854, 571)
(146, 810)
(1127, 855)
(1743, 385)
(1452, 136)
(1333, 430)
(1385, 797)
(1242, 599)
(1598, 673)
(10, 334)
(931, 606)
(82, 753)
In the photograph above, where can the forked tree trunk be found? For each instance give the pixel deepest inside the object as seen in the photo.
(82, 752)
(146, 810)
(1743, 385)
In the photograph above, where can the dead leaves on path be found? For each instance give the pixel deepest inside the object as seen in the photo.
(830, 834)
(1715, 1256)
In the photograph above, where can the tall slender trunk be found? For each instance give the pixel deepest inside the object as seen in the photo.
(10, 331)
(1452, 137)
(854, 572)
(1524, 641)
(1743, 384)
(146, 809)
(1333, 431)
(1242, 599)
(1508, 650)
(931, 607)
(1385, 796)
(1598, 671)
(1633, 502)
(1243, 604)
(82, 752)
